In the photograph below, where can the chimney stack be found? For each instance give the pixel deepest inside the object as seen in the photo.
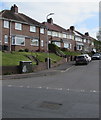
(14, 9)
(50, 21)
(87, 34)
(72, 28)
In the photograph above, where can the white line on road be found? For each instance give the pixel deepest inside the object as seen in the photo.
(60, 89)
(9, 85)
(67, 69)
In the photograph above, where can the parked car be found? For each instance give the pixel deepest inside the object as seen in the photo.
(81, 59)
(96, 56)
(88, 57)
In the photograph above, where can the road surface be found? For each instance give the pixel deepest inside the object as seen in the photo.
(71, 92)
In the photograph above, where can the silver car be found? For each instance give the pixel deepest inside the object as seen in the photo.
(96, 56)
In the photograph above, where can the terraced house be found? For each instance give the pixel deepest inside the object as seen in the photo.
(19, 31)
(61, 37)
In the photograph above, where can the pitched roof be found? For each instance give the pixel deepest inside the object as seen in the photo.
(20, 17)
(54, 27)
(84, 36)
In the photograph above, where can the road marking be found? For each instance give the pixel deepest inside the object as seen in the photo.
(60, 89)
(67, 69)
(9, 85)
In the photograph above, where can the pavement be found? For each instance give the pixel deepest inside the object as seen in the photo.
(52, 71)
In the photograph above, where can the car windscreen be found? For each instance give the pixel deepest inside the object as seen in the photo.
(80, 57)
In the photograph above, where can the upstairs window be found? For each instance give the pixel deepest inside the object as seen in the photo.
(18, 26)
(55, 34)
(64, 36)
(71, 37)
(84, 41)
(49, 33)
(42, 30)
(92, 43)
(78, 39)
(32, 29)
(6, 24)
(60, 35)
(88, 41)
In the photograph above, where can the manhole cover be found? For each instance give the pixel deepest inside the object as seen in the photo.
(50, 105)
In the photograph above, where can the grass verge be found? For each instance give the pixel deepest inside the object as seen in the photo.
(13, 58)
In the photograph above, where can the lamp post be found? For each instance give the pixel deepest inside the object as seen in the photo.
(48, 41)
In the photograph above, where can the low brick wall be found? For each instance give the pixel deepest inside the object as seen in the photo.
(7, 70)
(59, 62)
(39, 67)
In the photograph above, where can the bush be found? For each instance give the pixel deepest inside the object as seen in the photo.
(26, 50)
(21, 50)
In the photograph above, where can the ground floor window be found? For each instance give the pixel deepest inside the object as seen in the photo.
(6, 39)
(42, 43)
(18, 41)
(79, 47)
(57, 43)
(66, 45)
(35, 42)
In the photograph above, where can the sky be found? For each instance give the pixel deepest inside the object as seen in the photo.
(83, 15)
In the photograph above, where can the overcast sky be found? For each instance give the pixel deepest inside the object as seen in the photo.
(83, 15)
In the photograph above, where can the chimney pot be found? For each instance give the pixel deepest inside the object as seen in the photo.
(87, 34)
(14, 9)
(72, 28)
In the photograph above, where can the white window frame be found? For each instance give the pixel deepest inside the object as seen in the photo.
(79, 47)
(16, 38)
(42, 43)
(57, 43)
(5, 38)
(55, 34)
(42, 30)
(84, 40)
(70, 46)
(88, 41)
(18, 26)
(33, 43)
(71, 37)
(6, 24)
(60, 35)
(32, 28)
(66, 45)
(64, 35)
(78, 39)
(92, 43)
(68, 36)
(49, 33)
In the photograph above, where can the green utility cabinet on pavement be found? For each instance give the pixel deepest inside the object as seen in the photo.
(25, 66)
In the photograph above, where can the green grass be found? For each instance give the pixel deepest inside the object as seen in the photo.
(71, 53)
(12, 59)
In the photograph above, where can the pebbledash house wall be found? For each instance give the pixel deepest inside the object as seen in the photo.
(25, 32)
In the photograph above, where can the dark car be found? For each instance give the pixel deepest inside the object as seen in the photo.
(81, 59)
(96, 56)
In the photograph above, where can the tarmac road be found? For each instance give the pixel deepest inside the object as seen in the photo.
(62, 92)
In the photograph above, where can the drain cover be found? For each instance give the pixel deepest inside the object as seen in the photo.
(50, 105)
